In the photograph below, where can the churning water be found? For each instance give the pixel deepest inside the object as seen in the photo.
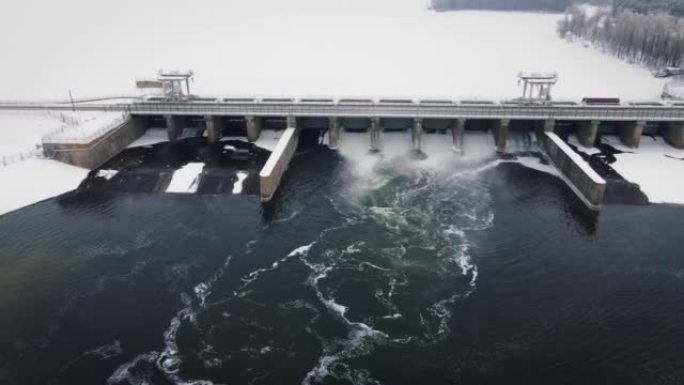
(368, 268)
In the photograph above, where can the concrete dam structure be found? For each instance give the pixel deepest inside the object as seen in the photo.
(247, 117)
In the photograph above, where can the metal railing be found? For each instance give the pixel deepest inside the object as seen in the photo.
(7, 160)
(77, 134)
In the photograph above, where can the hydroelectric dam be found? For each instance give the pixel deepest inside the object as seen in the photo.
(248, 117)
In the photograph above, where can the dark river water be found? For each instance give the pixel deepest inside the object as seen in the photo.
(491, 273)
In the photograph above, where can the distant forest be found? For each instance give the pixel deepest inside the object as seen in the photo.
(654, 39)
(672, 7)
(510, 5)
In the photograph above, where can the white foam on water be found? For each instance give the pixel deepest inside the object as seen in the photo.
(237, 187)
(169, 360)
(186, 179)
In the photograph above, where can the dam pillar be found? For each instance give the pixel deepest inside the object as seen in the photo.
(334, 133)
(291, 121)
(501, 134)
(586, 133)
(673, 134)
(375, 134)
(213, 128)
(171, 127)
(417, 135)
(457, 133)
(549, 125)
(253, 128)
(630, 133)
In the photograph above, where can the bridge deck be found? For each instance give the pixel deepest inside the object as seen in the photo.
(470, 110)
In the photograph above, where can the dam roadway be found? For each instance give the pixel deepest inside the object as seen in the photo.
(383, 108)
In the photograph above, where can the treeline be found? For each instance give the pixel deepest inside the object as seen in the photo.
(652, 39)
(506, 5)
(672, 7)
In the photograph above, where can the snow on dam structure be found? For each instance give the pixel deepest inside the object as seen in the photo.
(276, 165)
(91, 153)
(328, 117)
(579, 176)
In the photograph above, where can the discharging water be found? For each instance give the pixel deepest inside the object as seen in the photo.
(367, 268)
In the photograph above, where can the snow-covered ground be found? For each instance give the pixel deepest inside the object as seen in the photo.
(655, 166)
(25, 177)
(298, 47)
(35, 180)
(22, 131)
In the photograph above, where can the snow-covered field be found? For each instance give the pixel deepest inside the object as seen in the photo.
(655, 166)
(26, 178)
(35, 180)
(22, 131)
(298, 47)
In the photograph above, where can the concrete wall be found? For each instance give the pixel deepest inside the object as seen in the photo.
(97, 152)
(586, 183)
(277, 163)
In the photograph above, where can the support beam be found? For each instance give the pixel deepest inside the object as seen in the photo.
(457, 133)
(375, 134)
(334, 133)
(171, 127)
(291, 121)
(587, 131)
(213, 128)
(674, 134)
(630, 133)
(417, 135)
(501, 134)
(253, 128)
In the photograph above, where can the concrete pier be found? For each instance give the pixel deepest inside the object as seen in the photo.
(291, 121)
(581, 178)
(171, 127)
(253, 128)
(213, 128)
(334, 133)
(630, 133)
(501, 134)
(277, 163)
(587, 131)
(457, 133)
(673, 133)
(417, 135)
(375, 134)
(549, 125)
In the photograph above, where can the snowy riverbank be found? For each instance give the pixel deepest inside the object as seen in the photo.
(34, 180)
(25, 176)
(655, 166)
